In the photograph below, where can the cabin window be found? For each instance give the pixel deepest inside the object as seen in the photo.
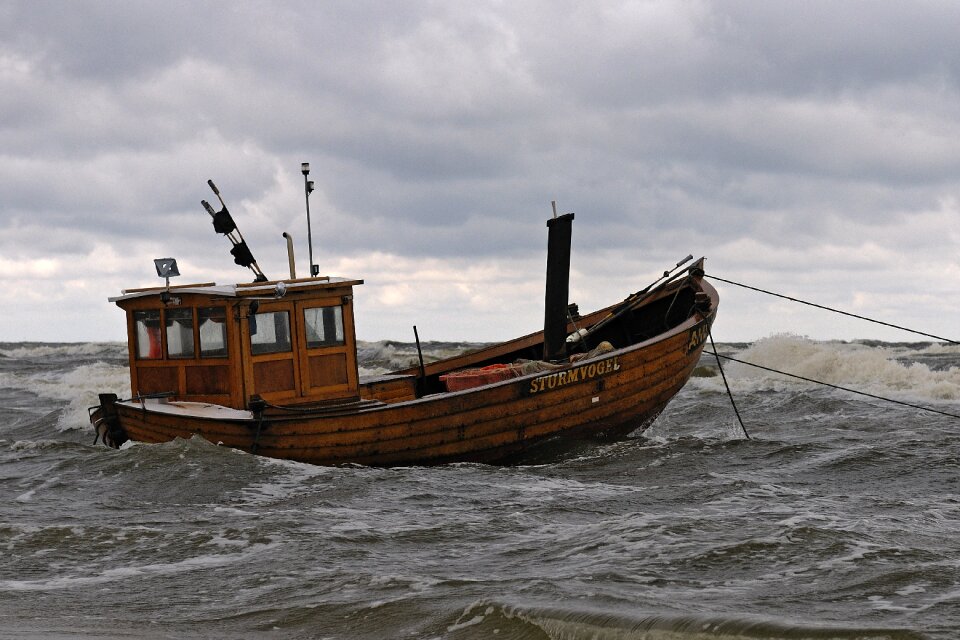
(179, 333)
(148, 334)
(213, 332)
(270, 332)
(324, 326)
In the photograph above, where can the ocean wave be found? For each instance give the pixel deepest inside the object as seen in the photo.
(137, 572)
(486, 619)
(886, 370)
(37, 350)
(77, 387)
(390, 355)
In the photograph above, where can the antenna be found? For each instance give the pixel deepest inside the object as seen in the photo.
(307, 190)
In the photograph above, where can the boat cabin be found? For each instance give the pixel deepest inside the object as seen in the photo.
(288, 342)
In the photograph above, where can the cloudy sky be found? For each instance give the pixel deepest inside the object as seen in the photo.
(811, 148)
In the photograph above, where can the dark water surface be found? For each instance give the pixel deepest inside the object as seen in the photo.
(840, 519)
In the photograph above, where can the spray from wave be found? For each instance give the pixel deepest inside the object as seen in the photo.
(921, 371)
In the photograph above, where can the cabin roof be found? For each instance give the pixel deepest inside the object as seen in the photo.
(243, 290)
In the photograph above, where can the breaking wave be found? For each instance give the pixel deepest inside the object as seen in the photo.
(904, 371)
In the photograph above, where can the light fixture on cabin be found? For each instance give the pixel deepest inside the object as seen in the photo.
(166, 269)
(307, 190)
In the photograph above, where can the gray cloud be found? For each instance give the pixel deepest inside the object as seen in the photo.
(442, 132)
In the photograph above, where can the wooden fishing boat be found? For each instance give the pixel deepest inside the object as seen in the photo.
(270, 367)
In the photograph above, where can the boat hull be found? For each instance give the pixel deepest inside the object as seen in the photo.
(611, 395)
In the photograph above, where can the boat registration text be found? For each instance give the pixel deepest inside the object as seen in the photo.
(698, 335)
(580, 373)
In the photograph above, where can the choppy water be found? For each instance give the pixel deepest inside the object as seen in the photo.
(838, 520)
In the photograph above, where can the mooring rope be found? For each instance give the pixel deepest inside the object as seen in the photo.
(845, 313)
(827, 384)
(729, 394)
(718, 356)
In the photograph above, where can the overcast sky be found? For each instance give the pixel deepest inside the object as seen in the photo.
(811, 148)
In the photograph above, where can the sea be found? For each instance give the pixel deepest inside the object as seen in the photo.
(838, 518)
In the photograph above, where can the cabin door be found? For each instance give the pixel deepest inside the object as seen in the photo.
(270, 340)
(328, 357)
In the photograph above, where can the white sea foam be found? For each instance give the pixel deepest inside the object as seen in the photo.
(873, 369)
(27, 496)
(122, 573)
(81, 386)
(292, 479)
(936, 348)
(78, 387)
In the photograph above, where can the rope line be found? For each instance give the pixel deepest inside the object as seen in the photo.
(834, 386)
(846, 313)
(729, 394)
